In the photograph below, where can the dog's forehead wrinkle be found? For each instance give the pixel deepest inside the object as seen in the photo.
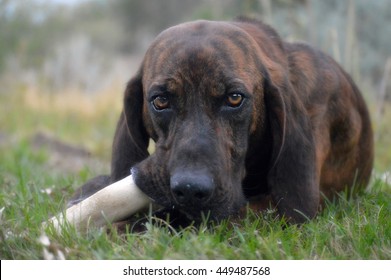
(193, 64)
(199, 87)
(203, 49)
(160, 84)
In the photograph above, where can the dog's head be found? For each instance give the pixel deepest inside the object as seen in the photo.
(199, 96)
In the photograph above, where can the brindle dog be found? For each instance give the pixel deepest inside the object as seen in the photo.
(237, 115)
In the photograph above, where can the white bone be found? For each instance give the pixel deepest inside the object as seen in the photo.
(112, 203)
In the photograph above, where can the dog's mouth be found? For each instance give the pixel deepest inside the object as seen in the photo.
(179, 216)
(193, 215)
(215, 211)
(198, 215)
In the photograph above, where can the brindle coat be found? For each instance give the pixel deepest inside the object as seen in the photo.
(238, 115)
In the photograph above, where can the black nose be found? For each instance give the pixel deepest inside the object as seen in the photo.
(192, 187)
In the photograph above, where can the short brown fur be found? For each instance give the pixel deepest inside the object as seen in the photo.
(301, 133)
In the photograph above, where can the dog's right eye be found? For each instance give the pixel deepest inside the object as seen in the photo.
(161, 103)
(234, 100)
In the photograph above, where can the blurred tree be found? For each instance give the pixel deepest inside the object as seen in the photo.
(27, 30)
(140, 17)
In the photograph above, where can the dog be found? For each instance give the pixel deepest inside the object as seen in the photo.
(239, 115)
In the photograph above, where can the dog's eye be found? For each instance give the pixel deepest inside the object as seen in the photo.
(234, 100)
(161, 102)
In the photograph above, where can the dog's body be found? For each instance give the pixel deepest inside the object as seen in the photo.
(237, 114)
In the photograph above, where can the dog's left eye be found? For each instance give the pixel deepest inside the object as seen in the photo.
(234, 100)
(161, 102)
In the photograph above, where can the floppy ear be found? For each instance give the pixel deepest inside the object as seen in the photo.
(131, 139)
(292, 175)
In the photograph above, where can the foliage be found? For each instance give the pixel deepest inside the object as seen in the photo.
(33, 31)
(27, 32)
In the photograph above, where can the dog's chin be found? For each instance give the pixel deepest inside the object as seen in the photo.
(196, 216)
(201, 216)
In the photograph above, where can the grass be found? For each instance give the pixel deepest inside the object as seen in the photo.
(353, 228)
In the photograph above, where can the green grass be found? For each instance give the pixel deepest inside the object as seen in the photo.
(353, 228)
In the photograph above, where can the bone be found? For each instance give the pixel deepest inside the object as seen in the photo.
(113, 203)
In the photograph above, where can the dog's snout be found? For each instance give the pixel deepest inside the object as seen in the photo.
(192, 187)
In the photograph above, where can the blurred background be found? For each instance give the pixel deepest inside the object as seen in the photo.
(64, 64)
